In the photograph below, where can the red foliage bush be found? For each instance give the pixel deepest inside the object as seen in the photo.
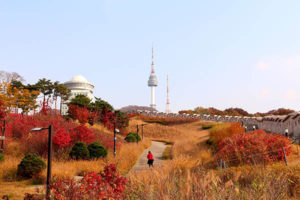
(108, 184)
(83, 134)
(62, 138)
(107, 118)
(82, 114)
(253, 148)
(219, 132)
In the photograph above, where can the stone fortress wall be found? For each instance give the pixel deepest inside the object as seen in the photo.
(288, 125)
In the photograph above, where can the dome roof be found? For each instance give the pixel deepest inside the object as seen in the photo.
(79, 79)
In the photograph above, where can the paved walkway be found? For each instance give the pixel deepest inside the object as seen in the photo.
(157, 148)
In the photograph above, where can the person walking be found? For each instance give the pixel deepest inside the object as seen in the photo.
(150, 159)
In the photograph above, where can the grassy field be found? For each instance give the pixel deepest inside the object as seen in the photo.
(189, 171)
(193, 173)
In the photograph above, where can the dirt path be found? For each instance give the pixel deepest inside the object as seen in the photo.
(157, 148)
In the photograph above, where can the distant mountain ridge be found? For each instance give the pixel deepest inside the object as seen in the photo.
(134, 108)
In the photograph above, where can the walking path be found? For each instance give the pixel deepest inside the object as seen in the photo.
(157, 149)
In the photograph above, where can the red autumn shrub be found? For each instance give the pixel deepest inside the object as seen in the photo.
(72, 111)
(62, 138)
(107, 119)
(253, 148)
(108, 184)
(83, 134)
(82, 114)
(221, 131)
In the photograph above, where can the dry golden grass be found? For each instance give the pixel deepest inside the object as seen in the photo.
(179, 180)
(125, 159)
(187, 175)
(188, 139)
(16, 190)
(155, 131)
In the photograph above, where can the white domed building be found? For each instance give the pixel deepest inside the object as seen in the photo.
(78, 85)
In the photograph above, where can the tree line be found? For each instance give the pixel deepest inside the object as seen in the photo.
(16, 95)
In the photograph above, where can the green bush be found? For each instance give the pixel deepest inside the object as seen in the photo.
(97, 150)
(1, 157)
(30, 166)
(79, 151)
(132, 137)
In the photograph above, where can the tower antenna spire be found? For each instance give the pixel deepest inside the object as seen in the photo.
(152, 70)
(168, 110)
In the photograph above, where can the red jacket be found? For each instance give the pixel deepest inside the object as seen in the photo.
(150, 156)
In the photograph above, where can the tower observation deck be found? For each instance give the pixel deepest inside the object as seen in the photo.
(152, 83)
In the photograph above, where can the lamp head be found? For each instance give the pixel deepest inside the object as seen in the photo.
(37, 129)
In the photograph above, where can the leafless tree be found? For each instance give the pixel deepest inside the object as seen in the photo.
(10, 76)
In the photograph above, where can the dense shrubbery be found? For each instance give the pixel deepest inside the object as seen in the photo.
(108, 184)
(253, 147)
(30, 166)
(1, 157)
(166, 120)
(82, 109)
(221, 131)
(132, 137)
(80, 151)
(97, 150)
(66, 133)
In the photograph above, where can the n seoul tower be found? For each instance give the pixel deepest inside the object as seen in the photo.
(152, 83)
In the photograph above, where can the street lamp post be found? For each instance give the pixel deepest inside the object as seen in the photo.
(116, 130)
(50, 132)
(2, 138)
(115, 137)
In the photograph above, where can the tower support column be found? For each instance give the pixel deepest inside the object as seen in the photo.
(153, 97)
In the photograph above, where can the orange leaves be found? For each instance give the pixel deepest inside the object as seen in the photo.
(18, 98)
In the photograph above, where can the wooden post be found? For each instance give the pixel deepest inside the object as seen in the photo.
(284, 156)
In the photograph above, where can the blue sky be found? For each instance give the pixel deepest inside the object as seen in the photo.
(217, 53)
